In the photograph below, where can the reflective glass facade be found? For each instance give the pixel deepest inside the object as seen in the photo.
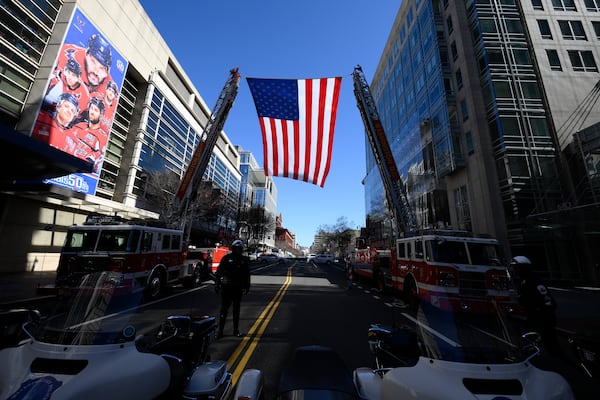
(459, 93)
(419, 115)
(24, 33)
(169, 142)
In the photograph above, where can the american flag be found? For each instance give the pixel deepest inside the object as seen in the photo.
(297, 120)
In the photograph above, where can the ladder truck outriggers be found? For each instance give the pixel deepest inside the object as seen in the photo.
(451, 270)
(154, 257)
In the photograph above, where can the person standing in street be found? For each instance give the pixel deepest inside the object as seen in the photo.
(232, 279)
(540, 307)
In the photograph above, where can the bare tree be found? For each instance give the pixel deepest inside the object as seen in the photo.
(337, 238)
(161, 187)
(204, 209)
(258, 222)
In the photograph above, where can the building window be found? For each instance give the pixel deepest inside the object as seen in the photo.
(596, 25)
(572, 30)
(592, 5)
(454, 51)
(583, 60)
(449, 24)
(553, 60)
(461, 203)
(564, 5)
(537, 4)
(469, 143)
(488, 25)
(513, 25)
(544, 29)
(459, 79)
(464, 110)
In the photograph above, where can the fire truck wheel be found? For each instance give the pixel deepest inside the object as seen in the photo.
(197, 276)
(380, 283)
(410, 294)
(194, 280)
(155, 285)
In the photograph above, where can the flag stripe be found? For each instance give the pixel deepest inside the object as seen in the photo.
(332, 118)
(306, 116)
(297, 148)
(296, 125)
(266, 156)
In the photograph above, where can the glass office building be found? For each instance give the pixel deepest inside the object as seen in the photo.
(472, 94)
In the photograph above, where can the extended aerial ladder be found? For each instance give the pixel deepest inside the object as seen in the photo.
(395, 189)
(188, 187)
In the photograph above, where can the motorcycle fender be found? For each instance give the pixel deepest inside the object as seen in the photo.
(208, 379)
(115, 371)
(449, 377)
(367, 383)
(250, 385)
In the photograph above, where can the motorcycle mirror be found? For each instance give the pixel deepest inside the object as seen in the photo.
(532, 342)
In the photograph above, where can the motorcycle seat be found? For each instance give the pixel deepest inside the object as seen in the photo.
(203, 325)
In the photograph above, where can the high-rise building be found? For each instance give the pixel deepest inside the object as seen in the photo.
(477, 98)
(153, 125)
(260, 192)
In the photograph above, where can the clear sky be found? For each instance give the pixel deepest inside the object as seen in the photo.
(285, 39)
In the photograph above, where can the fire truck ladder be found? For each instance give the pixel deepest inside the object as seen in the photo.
(188, 187)
(394, 186)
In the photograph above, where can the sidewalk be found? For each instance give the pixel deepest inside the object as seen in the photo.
(19, 286)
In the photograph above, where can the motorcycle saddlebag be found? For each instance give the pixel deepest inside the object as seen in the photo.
(209, 380)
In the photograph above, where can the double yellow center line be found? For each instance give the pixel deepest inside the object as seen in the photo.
(244, 351)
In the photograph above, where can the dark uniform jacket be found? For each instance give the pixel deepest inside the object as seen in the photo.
(234, 270)
(536, 297)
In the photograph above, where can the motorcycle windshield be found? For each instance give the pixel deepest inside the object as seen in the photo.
(490, 338)
(96, 312)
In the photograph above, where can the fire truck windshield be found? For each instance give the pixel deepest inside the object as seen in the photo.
(458, 252)
(109, 240)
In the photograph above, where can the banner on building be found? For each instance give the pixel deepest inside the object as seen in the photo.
(79, 104)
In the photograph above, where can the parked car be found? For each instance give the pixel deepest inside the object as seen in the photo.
(310, 257)
(269, 257)
(324, 259)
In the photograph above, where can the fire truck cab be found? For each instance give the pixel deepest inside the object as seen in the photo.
(452, 271)
(152, 256)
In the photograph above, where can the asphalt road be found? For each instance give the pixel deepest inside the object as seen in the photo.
(295, 303)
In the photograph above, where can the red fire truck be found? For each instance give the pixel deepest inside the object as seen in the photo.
(452, 270)
(152, 256)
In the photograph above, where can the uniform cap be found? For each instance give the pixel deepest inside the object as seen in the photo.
(100, 50)
(73, 66)
(66, 96)
(98, 103)
(521, 260)
(112, 85)
(237, 243)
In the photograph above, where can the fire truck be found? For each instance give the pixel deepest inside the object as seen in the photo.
(153, 256)
(450, 269)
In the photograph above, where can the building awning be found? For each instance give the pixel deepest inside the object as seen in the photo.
(25, 159)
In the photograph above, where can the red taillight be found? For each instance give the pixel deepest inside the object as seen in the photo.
(116, 265)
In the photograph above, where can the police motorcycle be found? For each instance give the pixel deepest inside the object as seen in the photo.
(97, 345)
(431, 354)
(586, 349)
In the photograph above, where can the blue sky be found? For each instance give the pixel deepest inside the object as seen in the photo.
(285, 39)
